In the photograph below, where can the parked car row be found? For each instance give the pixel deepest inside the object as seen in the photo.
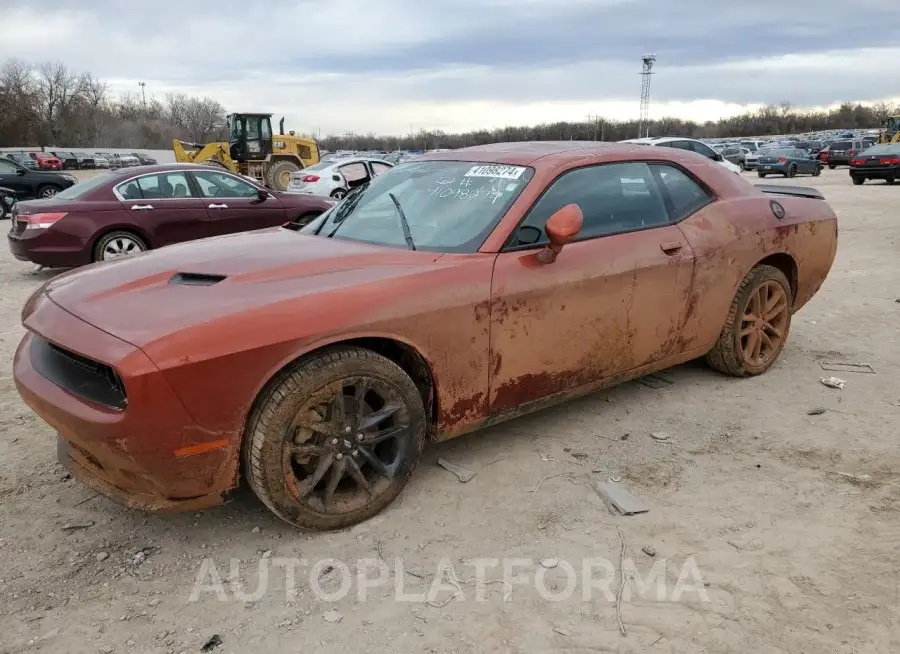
(67, 160)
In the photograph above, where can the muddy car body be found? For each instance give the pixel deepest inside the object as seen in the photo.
(454, 292)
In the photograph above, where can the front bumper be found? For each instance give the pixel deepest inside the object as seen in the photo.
(151, 455)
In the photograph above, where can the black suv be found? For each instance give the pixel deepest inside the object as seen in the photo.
(30, 184)
(69, 160)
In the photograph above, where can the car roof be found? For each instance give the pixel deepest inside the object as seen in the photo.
(166, 168)
(549, 153)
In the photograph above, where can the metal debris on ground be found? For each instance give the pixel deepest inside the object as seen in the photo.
(816, 412)
(660, 436)
(214, 641)
(649, 551)
(845, 366)
(833, 382)
(462, 474)
(549, 564)
(73, 526)
(619, 498)
(333, 617)
(625, 436)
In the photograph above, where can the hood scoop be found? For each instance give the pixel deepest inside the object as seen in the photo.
(196, 279)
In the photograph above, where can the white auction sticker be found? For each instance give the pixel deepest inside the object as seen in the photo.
(502, 172)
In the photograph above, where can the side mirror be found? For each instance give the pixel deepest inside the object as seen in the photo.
(20, 171)
(717, 157)
(261, 195)
(561, 228)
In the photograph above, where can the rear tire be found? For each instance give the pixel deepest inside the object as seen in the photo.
(306, 477)
(831, 166)
(339, 194)
(817, 171)
(762, 285)
(117, 245)
(279, 174)
(889, 180)
(792, 171)
(761, 175)
(858, 181)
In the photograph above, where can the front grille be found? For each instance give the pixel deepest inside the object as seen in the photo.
(86, 378)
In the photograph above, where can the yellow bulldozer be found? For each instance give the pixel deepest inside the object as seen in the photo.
(253, 150)
(890, 132)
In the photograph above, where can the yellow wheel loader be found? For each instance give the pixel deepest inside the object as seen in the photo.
(890, 133)
(253, 150)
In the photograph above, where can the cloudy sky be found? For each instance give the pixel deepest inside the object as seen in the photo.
(389, 66)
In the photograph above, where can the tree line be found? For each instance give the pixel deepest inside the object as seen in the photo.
(50, 104)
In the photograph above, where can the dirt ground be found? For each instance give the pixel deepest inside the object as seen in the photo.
(791, 521)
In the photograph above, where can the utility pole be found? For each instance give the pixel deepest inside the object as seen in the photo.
(143, 94)
(646, 71)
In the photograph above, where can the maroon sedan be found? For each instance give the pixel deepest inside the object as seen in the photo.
(125, 212)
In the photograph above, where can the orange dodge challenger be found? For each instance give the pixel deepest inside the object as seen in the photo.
(455, 291)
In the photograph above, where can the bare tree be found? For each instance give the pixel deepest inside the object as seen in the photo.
(202, 117)
(58, 87)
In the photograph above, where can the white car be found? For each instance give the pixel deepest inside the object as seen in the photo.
(687, 144)
(336, 178)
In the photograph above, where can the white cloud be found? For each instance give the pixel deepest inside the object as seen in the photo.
(395, 65)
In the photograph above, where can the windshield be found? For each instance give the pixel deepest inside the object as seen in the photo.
(450, 206)
(79, 190)
(750, 145)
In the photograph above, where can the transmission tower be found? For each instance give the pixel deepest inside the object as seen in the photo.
(646, 71)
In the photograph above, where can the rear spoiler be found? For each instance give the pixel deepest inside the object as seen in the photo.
(793, 191)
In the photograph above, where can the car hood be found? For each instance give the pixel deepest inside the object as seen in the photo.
(147, 297)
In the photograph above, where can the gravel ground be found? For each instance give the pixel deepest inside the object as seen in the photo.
(776, 530)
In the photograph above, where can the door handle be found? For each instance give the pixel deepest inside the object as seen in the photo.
(671, 247)
(142, 207)
(218, 206)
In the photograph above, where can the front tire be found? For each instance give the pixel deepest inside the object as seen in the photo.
(831, 166)
(761, 175)
(279, 174)
(48, 191)
(322, 458)
(757, 325)
(339, 194)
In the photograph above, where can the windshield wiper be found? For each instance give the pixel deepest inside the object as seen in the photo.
(404, 225)
(344, 210)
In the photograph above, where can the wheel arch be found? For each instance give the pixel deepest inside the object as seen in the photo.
(404, 354)
(786, 264)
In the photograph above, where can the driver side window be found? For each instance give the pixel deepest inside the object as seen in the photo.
(220, 185)
(613, 198)
(7, 167)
